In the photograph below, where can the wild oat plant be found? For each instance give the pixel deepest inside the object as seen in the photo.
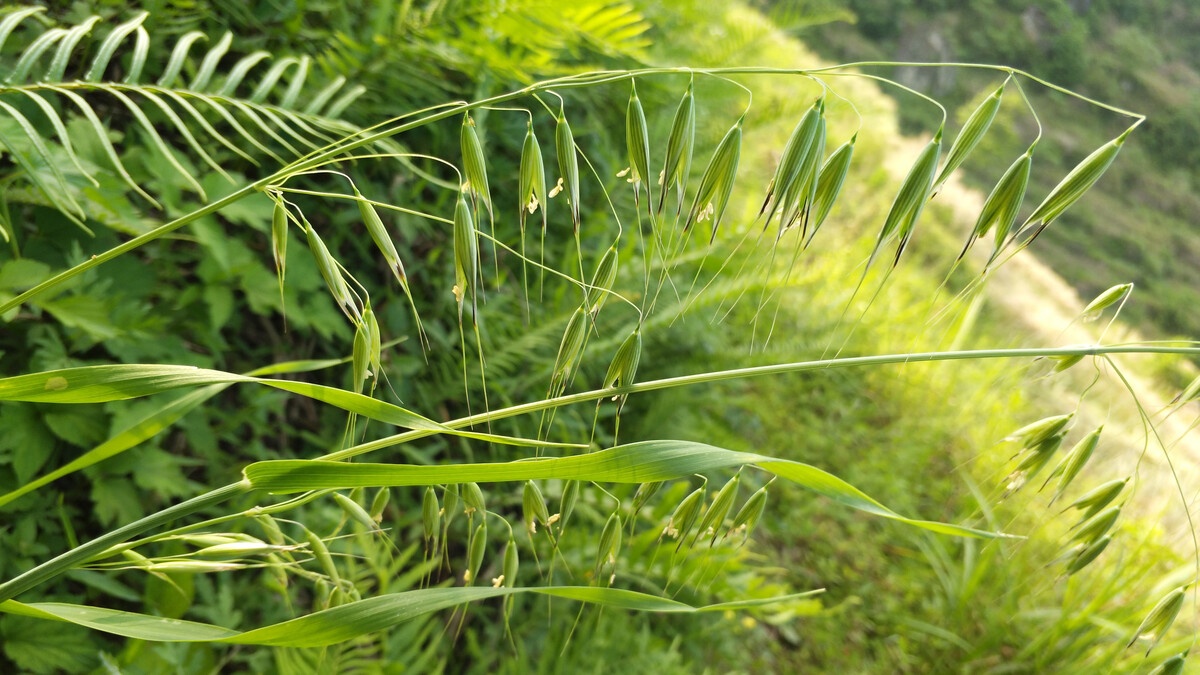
(471, 542)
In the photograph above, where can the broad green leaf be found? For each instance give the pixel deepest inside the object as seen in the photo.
(634, 463)
(351, 620)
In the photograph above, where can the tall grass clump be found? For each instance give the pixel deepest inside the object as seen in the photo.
(488, 399)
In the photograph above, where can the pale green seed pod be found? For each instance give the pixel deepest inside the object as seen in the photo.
(321, 554)
(788, 169)
(360, 359)
(1159, 620)
(1002, 205)
(567, 502)
(1062, 363)
(380, 502)
(610, 543)
(511, 563)
(571, 347)
(717, 182)
(972, 132)
(623, 368)
(1099, 497)
(637, 140)
(644, 493)
(829, 185)
(321, 592)
(279, 232)
(1074, 461)
(751, 512)
(475, 552)
(354, 511)
(798, 200)
(332, 275)
(602, 281)
(680, 144)
(278, 572)
(533, 507)
(1040, 454)
(472, 498)
(1075, 184)
(379, 235)
(568, 165)
(271, 530)
(714, 517)
(466, 253)
(1172, 666)
(431, 517)
(532, 178)
(910, 200)
(1105, 300)
(1036, 432)
(684, 518)
(1088, 554)
(238, 549)
(374, 342)
(450, 499)
(473, 163)
(1093, 528)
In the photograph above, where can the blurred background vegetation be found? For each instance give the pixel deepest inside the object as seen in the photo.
(922, 439)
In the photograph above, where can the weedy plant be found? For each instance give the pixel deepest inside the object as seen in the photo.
(668, 537)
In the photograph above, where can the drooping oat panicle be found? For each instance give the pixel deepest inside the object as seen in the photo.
(1002, 205)
(321, 554)
(568, 165)
(1074, 185)
(786, 172)
(332, 274)
(714, 517)
(374, 344)
(473, 163)
(379, 503)
(910, 200)
(717, 182)
(450, 499)
(829, 186)
(623, 369)
(279, 232)
(684, 518)
(1074, 461)
(431, 517)
(1099, 497)
(637, 140)
(379, 234)
(1036, 432)
(602, 281)
(354, 511)
(533, 507)
(1160, 618)
(798, 198)
(567, 502)
(532, 178)
(1035, 459)
(360, 359)
(1172, 666)
(1088, 554)
(1093, 528)
(748, 516)
(610, 544)
(1105, 300)
(472, 498)
(571, 347)
(475, 550)
(466, 254)
(972, 132)
(680, 144)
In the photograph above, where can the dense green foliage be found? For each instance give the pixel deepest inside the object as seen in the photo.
(208, 296)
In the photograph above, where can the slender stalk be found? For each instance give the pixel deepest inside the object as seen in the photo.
(80, 554)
